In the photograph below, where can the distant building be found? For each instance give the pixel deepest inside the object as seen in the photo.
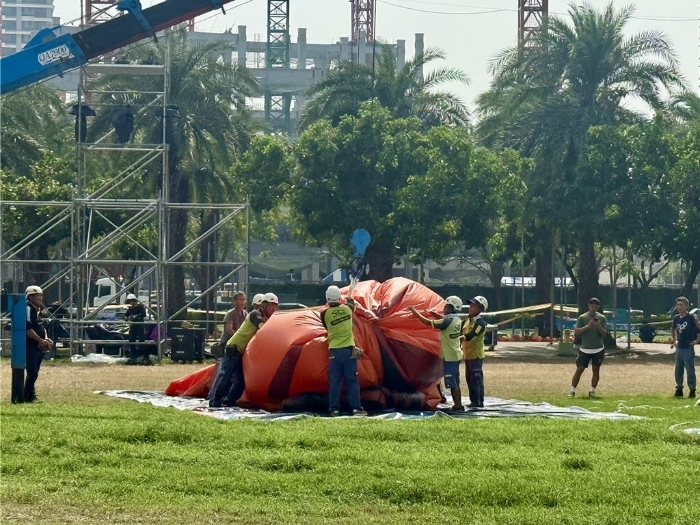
(22, 19)
(532, 281)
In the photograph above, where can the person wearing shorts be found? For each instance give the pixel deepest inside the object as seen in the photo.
(450, 326)
(591, 327)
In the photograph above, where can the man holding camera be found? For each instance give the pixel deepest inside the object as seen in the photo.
(591, 327)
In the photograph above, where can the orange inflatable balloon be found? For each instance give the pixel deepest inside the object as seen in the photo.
(286, 363)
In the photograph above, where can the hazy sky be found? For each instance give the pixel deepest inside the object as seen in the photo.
(471, 32)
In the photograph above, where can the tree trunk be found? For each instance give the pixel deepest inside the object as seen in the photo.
(587, 274)
(177, 238)
(543, 264)
(687, 290)
(176, 273)
(380, 257)
(495, 274)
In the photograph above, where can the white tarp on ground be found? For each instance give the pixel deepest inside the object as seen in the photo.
(102, 359)
(495, 407)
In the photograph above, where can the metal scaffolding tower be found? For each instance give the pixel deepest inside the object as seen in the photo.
(107, 231)
(278, 105)
(532, 15)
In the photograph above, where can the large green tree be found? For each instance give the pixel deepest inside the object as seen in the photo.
(404, 91)
(429, 191)
(628, 171)
(30, 121)
(348, 176)
(682, 238)
(543, 101)
(51, 178)
(469, 197)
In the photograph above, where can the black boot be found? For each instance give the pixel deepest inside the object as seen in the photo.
(679, 392)
(692, 393)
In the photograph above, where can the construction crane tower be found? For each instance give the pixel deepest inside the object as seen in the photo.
(362, 19)
(532, 15)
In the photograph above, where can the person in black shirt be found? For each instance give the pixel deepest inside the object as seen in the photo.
(684, 331)
(37, 341)
(136, 314)
(647, 332)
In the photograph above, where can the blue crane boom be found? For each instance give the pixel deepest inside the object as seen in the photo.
(47, 55)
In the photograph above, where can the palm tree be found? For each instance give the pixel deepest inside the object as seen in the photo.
(29, 128)
(544, 99)
(685, 107)
(206, 129)
(404, 91)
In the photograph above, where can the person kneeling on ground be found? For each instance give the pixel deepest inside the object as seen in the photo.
(342, 354)
(646, 333)
(450, 327)
(229, 384)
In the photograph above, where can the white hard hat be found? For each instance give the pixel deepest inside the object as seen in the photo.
(455, 302)
(258, 299)
(270, 298)
(481, 301)
(31, 290)
(333, 294)
(131, 297)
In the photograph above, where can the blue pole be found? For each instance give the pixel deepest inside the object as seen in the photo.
(17, 305)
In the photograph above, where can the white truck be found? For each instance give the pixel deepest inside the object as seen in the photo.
(110, 291)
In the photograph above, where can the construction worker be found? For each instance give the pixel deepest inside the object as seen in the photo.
(473, 331)
(136, 315)
(342, 355)
(258, 299)
(450, 327)
(230, 381)
(37, 341)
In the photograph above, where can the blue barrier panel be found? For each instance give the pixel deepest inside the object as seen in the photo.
(17, 305)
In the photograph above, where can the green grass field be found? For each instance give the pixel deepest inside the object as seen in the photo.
(98, 460)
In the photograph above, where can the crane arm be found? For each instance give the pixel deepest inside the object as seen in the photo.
(48, 55)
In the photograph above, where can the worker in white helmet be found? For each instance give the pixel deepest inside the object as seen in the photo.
(342, 356)
(473, 332)
(37, 341)
(136, 315)
(258, 299)
(450, 326)
(229, 383)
